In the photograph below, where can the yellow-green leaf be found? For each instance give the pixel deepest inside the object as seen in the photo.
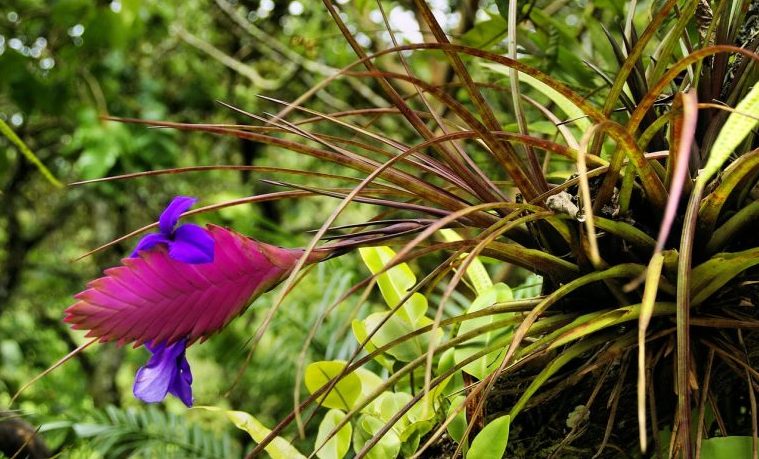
(361, 333)
(735, 130)
(395, 282)
(485, 365)
(476, 271)
(340, 443)
(279, 448)
(394, 328)
(457, 427)
(344, 394)
(492, 440)
(387, 447)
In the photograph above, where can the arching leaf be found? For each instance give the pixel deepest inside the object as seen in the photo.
(492, 440)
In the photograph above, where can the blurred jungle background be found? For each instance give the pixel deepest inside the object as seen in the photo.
(65, 64)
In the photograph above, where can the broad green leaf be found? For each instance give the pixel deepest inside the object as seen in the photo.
(446, 361)
(425, 409)
(386, 405)
(457, 426)
(491, 442)
(97, 160)
(394, 328)
(360, 332)
(476, 271)
(412, 436)
(340, 443)
(388, 446)
(735, 130)
(416, 422)
(486, 33)
(395, 282)
(726, 447)
(485, 365)
(421, 418)
(279, 448)
(386, 399)
(369, 381)
(345, 393)
(569, 108)
(392, 404)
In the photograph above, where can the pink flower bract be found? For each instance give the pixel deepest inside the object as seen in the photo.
(156, 299)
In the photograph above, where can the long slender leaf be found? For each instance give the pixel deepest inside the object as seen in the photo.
(28, 154)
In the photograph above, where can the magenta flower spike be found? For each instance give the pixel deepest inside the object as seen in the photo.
(180, 285)
(156, 299)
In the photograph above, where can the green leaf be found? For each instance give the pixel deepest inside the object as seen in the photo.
(344, 394)
(569, 108)
(492, 440)
(711, 275)
(31, 157)
(735, 130)
(392, 403)
(369, 381)
(394, 328)
(340, 443)
(279, 448)
(425, 409)
(446, 361)
(95, 162)
(361, 333)
(476, 271)
(726, 447)
(387, 447)
(485, 365)
(457, 426)
(395, 282)
(486, 33)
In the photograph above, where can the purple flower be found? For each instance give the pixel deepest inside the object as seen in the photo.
(167, 372)
(187, 243)
(180, 285)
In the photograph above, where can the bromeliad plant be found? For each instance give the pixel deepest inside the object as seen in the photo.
(631, 195)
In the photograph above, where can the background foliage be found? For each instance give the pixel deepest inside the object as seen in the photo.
(64, 65)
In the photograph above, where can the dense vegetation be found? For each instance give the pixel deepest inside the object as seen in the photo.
(554, 198)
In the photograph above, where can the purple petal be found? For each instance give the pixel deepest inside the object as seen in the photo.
(170, 216)
(166, 371)
(181, 385)
(149, 241)
(192, 244)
